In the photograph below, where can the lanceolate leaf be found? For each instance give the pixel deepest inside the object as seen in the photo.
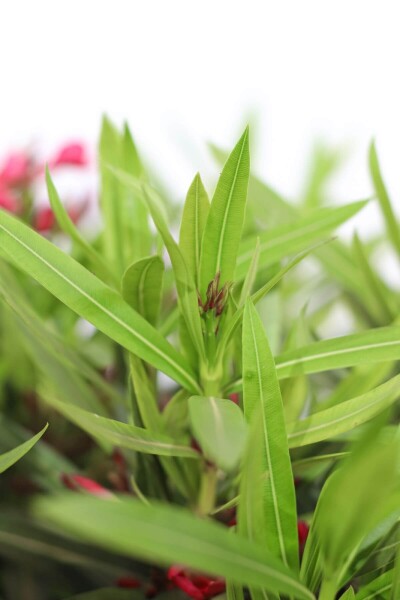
(142, 287)
(377, 588)
(294, 237)
(89, 297)
(194, 218)
(262, 400)
(118, 433)
(220, 429)
(328, 423)
(392, 225)
(224, 224)
(12, 456)
(166, 534)
(372, 346)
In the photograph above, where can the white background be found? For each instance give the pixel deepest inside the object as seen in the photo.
(184, 72)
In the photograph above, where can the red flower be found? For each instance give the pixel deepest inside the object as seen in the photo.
(198, 587)
(302, 531)
(44, 219)
(71, 154)
(84, 484)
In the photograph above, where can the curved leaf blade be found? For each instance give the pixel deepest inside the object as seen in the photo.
(12, 456)
(262, 400)
(195, 213)
(224, 224)
(118, 433)
(294, 237)
(331, 422)
(167, 534)
(84, 293)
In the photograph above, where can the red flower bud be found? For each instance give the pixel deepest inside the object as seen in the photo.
(44, 219)
(302, 530)
(84, 484)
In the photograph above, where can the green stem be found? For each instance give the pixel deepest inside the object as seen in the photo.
(208, 488)
(328, 590)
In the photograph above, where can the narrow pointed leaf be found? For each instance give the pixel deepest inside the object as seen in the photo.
(373, 346)
(12, 456)
(194, 218)
(224, 225)
(166, 535)
(89, 297)
(118, 433)
(329, 423)
(377, 588)
(262, 400)
(392, 224)
(294, 237)
(220, 429)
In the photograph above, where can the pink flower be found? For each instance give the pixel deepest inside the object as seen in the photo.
(16, 170)
(9, 201)
(84, 484)
(71, 154)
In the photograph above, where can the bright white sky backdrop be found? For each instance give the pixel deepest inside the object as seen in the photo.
(183, 72)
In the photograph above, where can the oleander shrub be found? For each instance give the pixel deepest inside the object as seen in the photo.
(206, 438)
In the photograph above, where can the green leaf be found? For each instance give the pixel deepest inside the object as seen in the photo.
(194, 218)
(234, 591)
(110, 152)
(12, 456)
(372, 346)
(142, 287)
(377, 588)
(166, 534)
(291, 238)
(371, 474)
(348, 594)
(231, 326)
(262, 400)
(118, 433)
(70, 229)
(224, 224)
(392, 225)
(220, 429)
(329, 423)
(377, 288)
(250, 275)
(81, 291)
